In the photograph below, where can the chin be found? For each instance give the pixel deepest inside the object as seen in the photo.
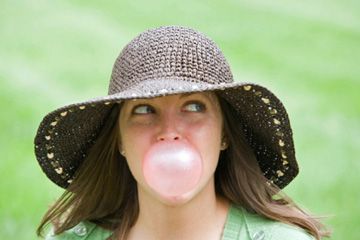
(178, 200)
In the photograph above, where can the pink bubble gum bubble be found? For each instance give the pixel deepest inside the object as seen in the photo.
(172, 168)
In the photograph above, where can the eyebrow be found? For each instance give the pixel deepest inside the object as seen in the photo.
(206, 94)
(186, 95)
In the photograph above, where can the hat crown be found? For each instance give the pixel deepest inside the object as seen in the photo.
(169, 53)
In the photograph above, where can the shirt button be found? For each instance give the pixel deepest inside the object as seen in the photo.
(80, 230)
(260, 235)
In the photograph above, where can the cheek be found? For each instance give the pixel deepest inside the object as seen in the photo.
(207, 140)
(134, 144)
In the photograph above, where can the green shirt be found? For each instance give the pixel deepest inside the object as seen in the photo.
(240, 225)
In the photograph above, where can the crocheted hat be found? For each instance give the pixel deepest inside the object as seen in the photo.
(158, 62)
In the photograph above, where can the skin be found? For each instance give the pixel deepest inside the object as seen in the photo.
(193, 118)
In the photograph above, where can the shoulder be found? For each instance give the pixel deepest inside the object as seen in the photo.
(261, 228)
(285, 231)
(83, 230)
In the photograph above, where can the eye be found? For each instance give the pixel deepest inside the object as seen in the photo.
(143, 109)
(194, 107)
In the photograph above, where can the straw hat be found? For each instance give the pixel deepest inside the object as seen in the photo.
(158, 62)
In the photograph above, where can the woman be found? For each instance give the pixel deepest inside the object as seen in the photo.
(177, 150)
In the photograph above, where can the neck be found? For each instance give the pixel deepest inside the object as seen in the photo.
(203, 217)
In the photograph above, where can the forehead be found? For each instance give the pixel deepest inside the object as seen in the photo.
(211, 96)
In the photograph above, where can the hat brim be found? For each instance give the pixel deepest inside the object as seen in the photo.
(65, 135)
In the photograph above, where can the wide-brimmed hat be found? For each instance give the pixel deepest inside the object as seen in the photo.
(159, 62)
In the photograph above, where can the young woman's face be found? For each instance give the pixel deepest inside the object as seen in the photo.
(193, 118)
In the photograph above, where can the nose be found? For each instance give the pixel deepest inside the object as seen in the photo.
(169, 129)
(168, 137)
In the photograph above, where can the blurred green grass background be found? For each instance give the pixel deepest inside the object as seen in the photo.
(308, 52)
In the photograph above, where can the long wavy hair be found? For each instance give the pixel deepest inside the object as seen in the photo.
(104, 191)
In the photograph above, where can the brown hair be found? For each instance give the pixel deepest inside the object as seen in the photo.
(105, 193)
(239, 179)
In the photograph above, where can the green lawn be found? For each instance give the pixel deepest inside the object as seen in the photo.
(57, 52)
